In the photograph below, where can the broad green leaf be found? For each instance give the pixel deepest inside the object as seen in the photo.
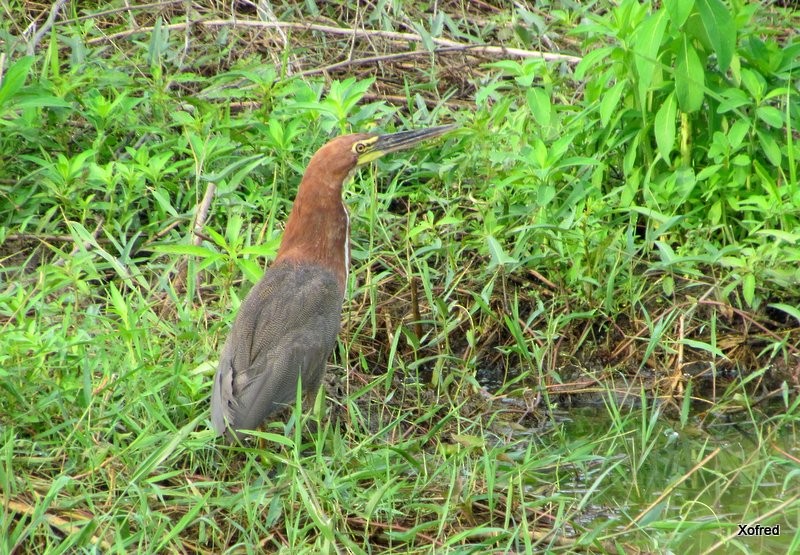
(163, 200)
(689, 77)
(686, 404)
(191, 250)
(780, 235)
(664, 126)
(499, 256)
(598, 57)
(715, 213)
(737, 133)
(159, 42)
(733, 98)
(749, 288)
(768, 183)
(770, 147)
(646, 46)
(754, 83)
(545, 195)
(790, 57)
(703, 346)
(14, 78)
(650, 213)
(608, 106)
(679, 10)
(655, 513)
(629, 160)
(276, 132)
(668, 285)
(41, 101)
(243, 168)
(770, 115)
(539, 104)
(720, 30)
(427, 39)
(268, 248)
(665, 251)
(708, 171)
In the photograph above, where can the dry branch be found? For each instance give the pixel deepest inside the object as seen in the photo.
(48, 24)
(488, 50)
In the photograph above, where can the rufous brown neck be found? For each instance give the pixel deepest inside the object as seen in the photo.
(318, 228)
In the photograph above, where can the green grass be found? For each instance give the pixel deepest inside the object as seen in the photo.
(571, 325)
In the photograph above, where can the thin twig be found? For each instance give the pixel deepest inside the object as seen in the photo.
(490, 50)
(544, 280)
(377, 59)
(265, 12)
(397, 100)
(429, 102)
(163, 232)
(48, 24)
(202, 213)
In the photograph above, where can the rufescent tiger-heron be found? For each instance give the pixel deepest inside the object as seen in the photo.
(287, 325)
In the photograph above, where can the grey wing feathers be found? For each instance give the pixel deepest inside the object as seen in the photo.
(286, 328)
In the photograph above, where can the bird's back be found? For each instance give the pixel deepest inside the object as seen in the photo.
(286, 329)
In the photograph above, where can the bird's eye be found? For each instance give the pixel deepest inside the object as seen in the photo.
(360, 148)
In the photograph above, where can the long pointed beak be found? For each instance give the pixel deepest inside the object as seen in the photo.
(384, 144)
(405, 139)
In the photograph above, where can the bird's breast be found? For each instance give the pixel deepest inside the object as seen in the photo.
(318, 235)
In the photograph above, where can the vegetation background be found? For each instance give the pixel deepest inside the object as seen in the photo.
(572, 325)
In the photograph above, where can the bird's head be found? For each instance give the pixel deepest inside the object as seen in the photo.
(341, 156)
(369, 148)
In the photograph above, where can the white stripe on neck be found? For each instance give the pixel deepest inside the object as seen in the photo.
(346, 245)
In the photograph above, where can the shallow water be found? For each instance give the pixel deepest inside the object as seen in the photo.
(748, 475)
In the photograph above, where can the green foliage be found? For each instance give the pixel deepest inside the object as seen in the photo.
(644, 201)
(719, 152)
